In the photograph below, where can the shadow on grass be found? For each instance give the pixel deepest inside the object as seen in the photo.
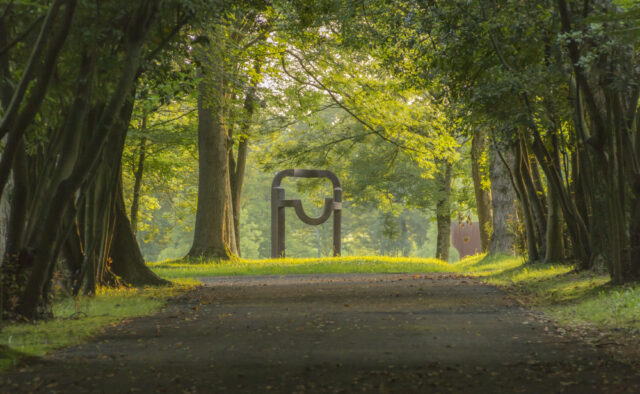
(548, 284)
(10, 357)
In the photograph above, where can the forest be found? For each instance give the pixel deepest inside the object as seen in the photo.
(151, 130)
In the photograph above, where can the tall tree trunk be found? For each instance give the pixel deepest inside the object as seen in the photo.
(515, 174)
(214, 235)
(632, 271)
(137, 185)
(554, 235)
(18, 198)
(482, 192)
(238, 166)
(555, 222)
(237, 180)
(443, 213)
(533, 187)
(503, 203)
(404, 236)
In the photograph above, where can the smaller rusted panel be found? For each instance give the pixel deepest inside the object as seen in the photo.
(465, 237)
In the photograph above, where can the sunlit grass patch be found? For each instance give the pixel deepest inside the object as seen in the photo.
(360, 264)
(617, 307)
(572, 298)
(77, 319)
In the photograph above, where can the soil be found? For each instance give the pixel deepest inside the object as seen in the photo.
(332, 333)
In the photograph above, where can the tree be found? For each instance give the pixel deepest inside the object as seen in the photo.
(224, 78)
(74, 144)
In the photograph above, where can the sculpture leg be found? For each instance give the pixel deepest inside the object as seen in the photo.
(277, 222)
(337, 221)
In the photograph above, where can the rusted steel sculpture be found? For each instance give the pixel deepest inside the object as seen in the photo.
(278, 204)
(466, 238)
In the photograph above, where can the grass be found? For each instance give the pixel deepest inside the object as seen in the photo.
(79, 319)
(571, 298)
(364, 264)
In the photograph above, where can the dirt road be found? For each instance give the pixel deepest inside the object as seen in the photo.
(331, 333)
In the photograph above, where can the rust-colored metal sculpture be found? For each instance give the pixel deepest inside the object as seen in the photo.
(466, 238)
(278, 204)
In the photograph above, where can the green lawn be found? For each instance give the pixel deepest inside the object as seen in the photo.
(365, 264)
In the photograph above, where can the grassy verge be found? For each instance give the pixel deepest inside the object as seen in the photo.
(79, 319)
(571, 298)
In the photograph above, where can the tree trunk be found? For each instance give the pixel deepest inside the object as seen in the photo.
(443, 213)
(237, 180)
(137, 185)
(524, 195)
(404, 236)
(503, 203)
(555, 234)
(482, 192)
(632, 270)
(240, 164)
(126, 258)
(533, 188)
(18, 197)
(214, 235)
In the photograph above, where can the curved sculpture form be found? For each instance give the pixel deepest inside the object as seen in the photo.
(279, 203)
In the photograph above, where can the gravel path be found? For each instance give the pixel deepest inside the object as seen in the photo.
(331, 333)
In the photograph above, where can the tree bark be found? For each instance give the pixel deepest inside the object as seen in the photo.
(482, 193)
(238, 166)
(126, 258)
(554, 235)
(19, 115)
(524, 195)
(137, 185)
(443, 213)
(237, 180)
(214, 235)
(503, 203)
